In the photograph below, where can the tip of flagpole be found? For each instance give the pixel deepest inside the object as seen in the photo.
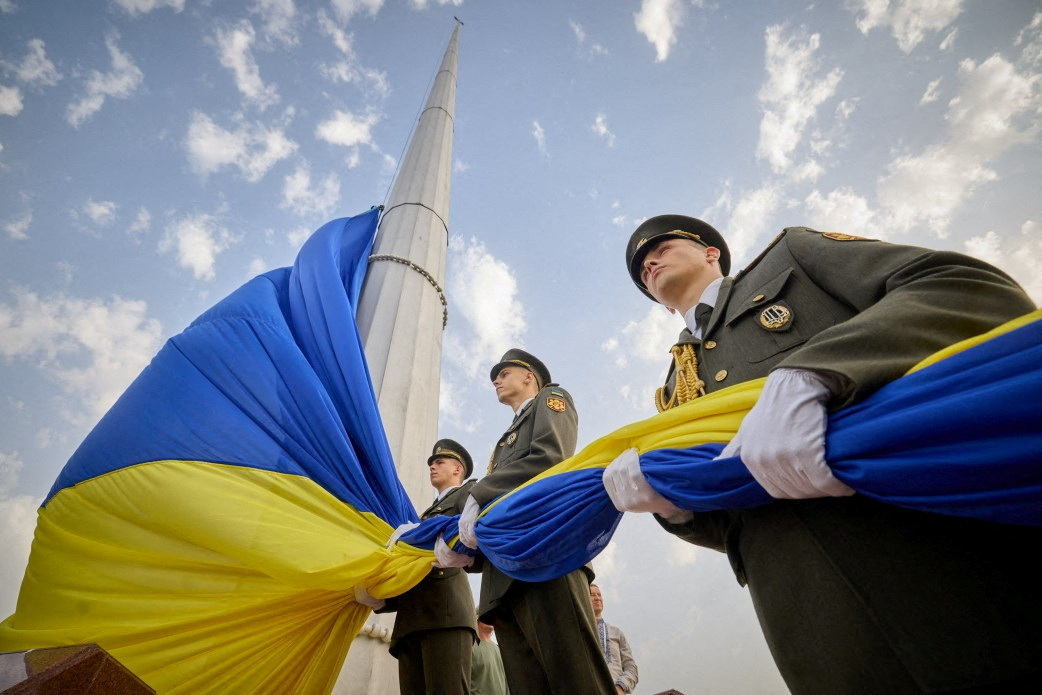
(458, 20)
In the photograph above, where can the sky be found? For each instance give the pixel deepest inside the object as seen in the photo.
(156, 154)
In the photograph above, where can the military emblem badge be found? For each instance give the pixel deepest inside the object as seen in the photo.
(511, 438)
(556, 404)
(775, 317)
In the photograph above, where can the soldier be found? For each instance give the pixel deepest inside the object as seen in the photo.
(434, 630)
(853, 595)
(545, 629)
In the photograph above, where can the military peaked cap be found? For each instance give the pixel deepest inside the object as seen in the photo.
(515, 357)
(655, 229)
(447, 448)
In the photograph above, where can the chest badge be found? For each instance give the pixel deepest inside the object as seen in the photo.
(511, 438)
(776, 318)
(556, 404)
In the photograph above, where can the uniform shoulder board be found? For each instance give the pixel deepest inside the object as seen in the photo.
(838, 236)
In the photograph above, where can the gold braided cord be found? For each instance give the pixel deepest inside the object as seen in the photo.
(688, 385)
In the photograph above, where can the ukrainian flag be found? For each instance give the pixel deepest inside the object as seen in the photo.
(211, 528)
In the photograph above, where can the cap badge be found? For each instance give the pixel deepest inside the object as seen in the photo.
(556, 404)
(775, 317)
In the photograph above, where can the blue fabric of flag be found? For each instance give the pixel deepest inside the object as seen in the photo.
(272, 377)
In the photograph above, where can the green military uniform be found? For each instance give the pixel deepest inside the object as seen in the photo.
(855, 595)
(545, 629)
(434, 630)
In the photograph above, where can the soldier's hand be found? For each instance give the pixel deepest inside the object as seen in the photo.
(363, 597)
(467, 519)
(782, 439)
(630, 491)
(397, 533)
(447, 557)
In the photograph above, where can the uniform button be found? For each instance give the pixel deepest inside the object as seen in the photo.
(721, 375)
(758, 298)
(709, 344)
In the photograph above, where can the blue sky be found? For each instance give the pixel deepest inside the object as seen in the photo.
(155, 154)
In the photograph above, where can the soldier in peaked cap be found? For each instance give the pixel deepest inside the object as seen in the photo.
(546, 630)
(853, 595)
(435, 630)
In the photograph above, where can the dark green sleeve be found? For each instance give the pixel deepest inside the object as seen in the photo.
(911, 302)
(552, 439)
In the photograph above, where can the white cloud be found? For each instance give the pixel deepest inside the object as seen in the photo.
(580, 38)
(640, 350)
(995, 109)
(258, 266)
(197, 241)
(297, 237)
(10, 465)
(17, 523)
(119, 83)
(600, 126)
(253, 147)
(577, 29)
(235, 47)
(350, 69)
(346, 9)
(138, 7)
(453, 406)
(948, 41)
(1020, 256)
(482, 289)
(1031, 35)
(540, 138)
(10, 101)
(278, 18)
(840, 211)
(348, 130)
(92, 348)
(908, 20)
(791, 95)
(8, 6)
(18, 228)
(747, 220)
(101, 213)
(658, 20)
(35, 68)
(932, 92)
(142, 221)
(299, 196)
(422, 4)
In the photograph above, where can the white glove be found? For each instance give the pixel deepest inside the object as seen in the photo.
(398, 532)
(630, 491)
(366, 599)
(467, 519)
(447, 557)
(782, 439)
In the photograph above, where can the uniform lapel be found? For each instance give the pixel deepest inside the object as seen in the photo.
(720, 308)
